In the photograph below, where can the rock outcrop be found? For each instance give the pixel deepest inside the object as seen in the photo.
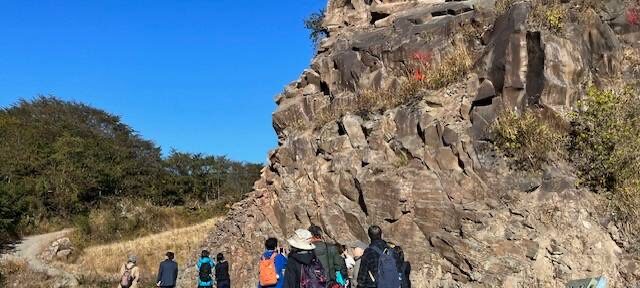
(61, 249)
(425, 170)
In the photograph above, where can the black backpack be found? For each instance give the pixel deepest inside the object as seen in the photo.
(205, 272)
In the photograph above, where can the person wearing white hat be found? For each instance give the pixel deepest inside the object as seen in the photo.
(301, 254)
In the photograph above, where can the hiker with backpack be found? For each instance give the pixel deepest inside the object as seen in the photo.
(303, 270)
(129, 274)
(205, 267)
(378, 267)
(272, 265)
(330, 257)
(222, 272)
(404, 268)
(168, 272)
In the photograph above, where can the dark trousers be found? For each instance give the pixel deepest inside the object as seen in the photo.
(224, 284)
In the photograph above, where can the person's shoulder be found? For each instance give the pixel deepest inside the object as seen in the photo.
(281, 257)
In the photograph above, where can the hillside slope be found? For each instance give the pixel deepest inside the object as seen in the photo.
(361, 143)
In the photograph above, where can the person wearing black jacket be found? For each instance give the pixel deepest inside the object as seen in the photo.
(404, 268)
(301, 254)
(168, 272)
(223, 279)
(369, 261)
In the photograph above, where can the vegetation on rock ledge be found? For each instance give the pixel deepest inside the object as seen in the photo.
(602, 143)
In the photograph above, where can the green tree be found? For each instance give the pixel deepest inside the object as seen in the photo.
(314, 23)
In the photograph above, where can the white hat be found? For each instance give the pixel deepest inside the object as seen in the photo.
(301, 239)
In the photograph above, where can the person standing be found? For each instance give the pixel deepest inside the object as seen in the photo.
(378, 255)
(357, 251)
(129, 273)
(301, 255)
(205, 267)
(223, 279)
(272, 265)
(404, 268)
(168, 272)
(328, 255)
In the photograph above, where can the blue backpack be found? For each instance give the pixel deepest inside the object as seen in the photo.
(388, 276)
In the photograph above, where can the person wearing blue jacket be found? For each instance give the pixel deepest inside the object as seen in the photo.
(205, 270)
(280, 261)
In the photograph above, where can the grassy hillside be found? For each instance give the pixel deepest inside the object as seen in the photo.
(64, 163)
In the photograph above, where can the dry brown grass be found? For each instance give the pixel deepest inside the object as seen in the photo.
(528, 139)
(549, 14)
(423, 75)
(502, 6)
(104, 261)
(16, 273)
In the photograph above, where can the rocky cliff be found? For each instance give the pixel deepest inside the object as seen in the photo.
(419, 162)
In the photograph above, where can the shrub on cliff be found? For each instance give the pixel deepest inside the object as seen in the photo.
(313, 23)
(605, 147)
(528, 138)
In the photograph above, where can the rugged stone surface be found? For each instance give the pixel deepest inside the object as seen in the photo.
(60, 249)
(424, 171)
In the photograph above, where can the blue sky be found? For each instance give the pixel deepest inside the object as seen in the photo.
(199, 76)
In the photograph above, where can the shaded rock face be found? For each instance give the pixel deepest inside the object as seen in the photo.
(424, 171)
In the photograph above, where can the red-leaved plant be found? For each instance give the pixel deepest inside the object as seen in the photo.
(421, 61)
(633, 16)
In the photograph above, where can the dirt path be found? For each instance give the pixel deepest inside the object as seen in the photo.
(30, 248)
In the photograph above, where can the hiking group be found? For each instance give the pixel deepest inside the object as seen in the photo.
(210, 272)
(310, 263)
(314, 263)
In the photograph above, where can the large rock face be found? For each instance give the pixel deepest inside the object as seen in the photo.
(423, 171)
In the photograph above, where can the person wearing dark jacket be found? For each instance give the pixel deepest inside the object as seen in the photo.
(168, 272)
(222, 272)
(328, 255)
(301, 254)
(404, 268)
(369, 261)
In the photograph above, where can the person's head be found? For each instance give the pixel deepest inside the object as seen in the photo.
(340, 249)
(399, 252)
(204, 254)
(316, 231)
(301, 240)
(358, 248)
(375, 233)
(132, 259)
(271, 244)
(219, 257)
(170, 255)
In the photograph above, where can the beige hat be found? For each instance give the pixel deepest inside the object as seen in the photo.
(301, 239)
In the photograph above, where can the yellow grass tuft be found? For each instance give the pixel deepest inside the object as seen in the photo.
(16, 273)
(104, 261)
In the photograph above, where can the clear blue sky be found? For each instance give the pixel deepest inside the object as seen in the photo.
(196, 75)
